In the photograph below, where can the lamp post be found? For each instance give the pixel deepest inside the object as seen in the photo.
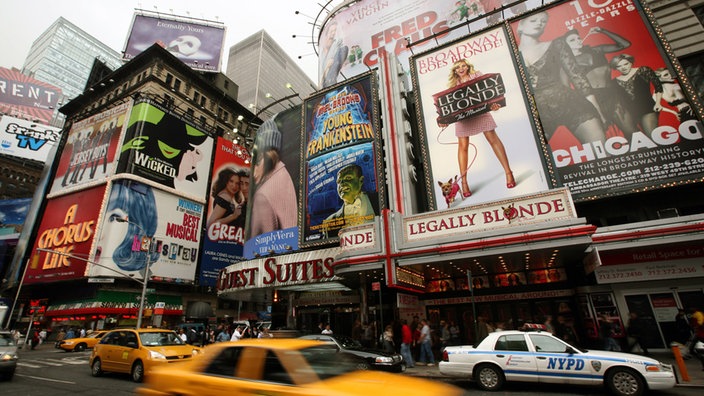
(146, 270)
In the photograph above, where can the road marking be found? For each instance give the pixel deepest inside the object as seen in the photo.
(27, 365)
(70, 361)
(45, 362)
(45, 379)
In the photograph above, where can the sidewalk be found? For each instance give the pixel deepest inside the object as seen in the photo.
(693, 367)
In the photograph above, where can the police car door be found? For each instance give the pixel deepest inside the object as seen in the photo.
(555, 362)
(512, 354)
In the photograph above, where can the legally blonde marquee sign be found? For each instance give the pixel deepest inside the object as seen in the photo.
(286, 270)
(530, 209)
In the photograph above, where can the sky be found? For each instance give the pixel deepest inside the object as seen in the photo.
(109, 22)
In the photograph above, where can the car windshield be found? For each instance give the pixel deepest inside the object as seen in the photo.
(160, 338)
(6, 339)
(327, 363)
(348, 342)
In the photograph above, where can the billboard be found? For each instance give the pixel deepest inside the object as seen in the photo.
(341, 166)
(13, 212)
(27, 139)
(90, 151)
(25, 97)
(615, 116)
(68, 226)
(481, 143)
(173, 226)
(351, 39)
(166, 150)
(196, 44)
(272, 214)
(227, 210)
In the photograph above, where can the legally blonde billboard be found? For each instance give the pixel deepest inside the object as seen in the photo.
(165, 149)
(341, 167)
(227, 210)
(612, 110)
(90, 151)
(481, 143)
(165, 236)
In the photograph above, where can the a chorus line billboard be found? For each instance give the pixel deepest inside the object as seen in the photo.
(481, 143)
(163, 148)
(272, 211)
(227, 210)
(174, 226)
(90, 151)
(27, 139)
(25, 97)
(612, 109)
(67, 227)
(197, 45)
(341, 166)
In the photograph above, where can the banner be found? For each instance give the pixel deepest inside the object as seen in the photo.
(341, 171)
(613, 112)
(165, 149)
(26, 139)
(165, 236)
(90, 151)
(490, 151)
(25, 97)
(227, 210)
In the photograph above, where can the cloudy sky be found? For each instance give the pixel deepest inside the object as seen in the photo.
(109, 21)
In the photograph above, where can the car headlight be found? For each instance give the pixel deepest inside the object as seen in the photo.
(154, 355)
(384, 359)
(68, 342)
(195, 351)
(8, 356)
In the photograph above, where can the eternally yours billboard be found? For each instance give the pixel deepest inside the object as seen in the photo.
(27, 139)
(612, 110)
(25, 97)
(173, 225)
(165, 149)
(197, 45)
(341, 171)
(90, 150)
(68, 226)
(227, 210)
(481, 144)
(272, 213)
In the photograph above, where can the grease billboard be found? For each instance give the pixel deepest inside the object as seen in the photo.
(227, 210)
(481, 143)
(611, 107)
(165, 236)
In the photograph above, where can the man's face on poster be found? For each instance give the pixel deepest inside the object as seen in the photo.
(349, 184)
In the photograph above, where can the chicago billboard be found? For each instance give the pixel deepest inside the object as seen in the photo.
(90, 151)
(25, 97)
(341, 168)
(615, 116)
(166, 235)
(27, 139)
(196, 44)
(227, 210)
(481, 143)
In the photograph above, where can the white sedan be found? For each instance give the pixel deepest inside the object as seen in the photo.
(538, 356)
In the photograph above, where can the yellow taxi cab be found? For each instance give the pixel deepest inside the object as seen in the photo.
(82, 343)
(282, 366)
(137, 352)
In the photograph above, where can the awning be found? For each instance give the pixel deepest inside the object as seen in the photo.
(110, 302)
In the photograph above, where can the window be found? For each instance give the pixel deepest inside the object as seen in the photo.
(513, 342)
(225, 363)
(545, 343)
(169, 78)
(177, 85)
(274, 371)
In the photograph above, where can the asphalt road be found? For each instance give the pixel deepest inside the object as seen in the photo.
(49, 371)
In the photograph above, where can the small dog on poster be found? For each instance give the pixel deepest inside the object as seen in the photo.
(450, 189)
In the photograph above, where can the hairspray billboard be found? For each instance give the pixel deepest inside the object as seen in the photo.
(163, 148)
(612, 109)
(272, 213)
(89, 154)
(481, 143)
(136, 233)
(341, 166)
(227, 210)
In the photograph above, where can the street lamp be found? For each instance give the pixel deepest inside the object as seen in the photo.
(146, 270)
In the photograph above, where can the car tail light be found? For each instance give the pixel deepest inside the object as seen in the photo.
(445, 358)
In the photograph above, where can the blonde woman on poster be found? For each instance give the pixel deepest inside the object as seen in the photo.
(462, 72)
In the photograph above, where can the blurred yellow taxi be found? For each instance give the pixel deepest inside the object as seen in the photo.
(137, 352)
(82, 343)
(281, 367)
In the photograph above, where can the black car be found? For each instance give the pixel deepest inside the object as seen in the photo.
(368, 359)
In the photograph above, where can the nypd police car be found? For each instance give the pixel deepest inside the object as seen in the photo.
(538, 356)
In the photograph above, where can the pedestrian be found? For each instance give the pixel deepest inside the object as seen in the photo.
(426, 345)
(35, 338)
(406, 342)
(237, 333)
(42, 336)
(265, 333)
(482, 330)
(444, 334)
(696, 321)
(327, 329)
(606, 333)
(454, 333)
(357, 331)
(82, 333)
(683, 331)
(70, 334)
(182, 335)
(387, 339)
(548, 325)
(415, 347)
(223, 335)
(636, 331)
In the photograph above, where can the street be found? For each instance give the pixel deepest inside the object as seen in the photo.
(50, 371)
